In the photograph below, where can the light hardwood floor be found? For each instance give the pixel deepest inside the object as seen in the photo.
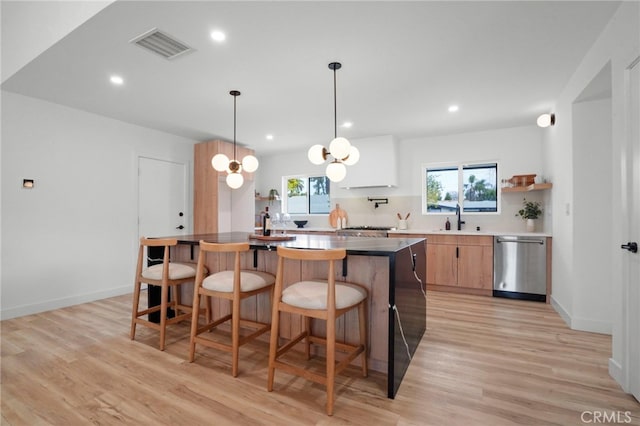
(482, 361)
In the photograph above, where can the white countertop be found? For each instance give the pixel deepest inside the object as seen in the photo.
(314, 229)
(464, 232)
(433, 231)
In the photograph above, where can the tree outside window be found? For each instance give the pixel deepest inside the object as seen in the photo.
(473, 187)
(307, 195)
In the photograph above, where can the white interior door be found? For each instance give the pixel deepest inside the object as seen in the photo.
(162, 198)
(631, 260)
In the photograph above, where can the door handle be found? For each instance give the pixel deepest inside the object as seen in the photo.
(631, 246)
(180, 227)
(535, 241)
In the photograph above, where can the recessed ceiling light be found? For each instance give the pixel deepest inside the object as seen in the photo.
(270, 137)
(218, 35)
(453, 108)
(347, 124)
(117, 80)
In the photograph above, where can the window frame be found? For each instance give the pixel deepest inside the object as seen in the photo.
(307, 178)
(461, 167)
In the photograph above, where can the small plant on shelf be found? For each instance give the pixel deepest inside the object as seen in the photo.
(529, 210)
(273, 195)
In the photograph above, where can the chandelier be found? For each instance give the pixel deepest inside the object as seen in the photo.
(233, 167)
(340, 149)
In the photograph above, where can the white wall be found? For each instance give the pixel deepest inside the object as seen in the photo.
(619, 44)
(73, 238)
(518, 150)
(592, 174)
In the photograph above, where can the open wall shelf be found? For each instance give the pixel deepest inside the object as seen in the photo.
(532, 187)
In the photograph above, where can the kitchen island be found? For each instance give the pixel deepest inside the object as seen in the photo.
(392, 269)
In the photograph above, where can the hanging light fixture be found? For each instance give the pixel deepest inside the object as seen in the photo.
(233, 167)
(339, 148)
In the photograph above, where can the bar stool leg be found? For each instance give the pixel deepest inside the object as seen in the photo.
(163, 314)
(235, 335)
(362, 320)
(134, 313)
(331, 362)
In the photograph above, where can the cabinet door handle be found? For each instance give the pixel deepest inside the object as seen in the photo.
(457, 252)
(631, 246)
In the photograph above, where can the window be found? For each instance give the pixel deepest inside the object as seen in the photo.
(306, 195)
(472, 186)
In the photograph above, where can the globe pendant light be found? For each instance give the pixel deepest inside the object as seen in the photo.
(340, 149)
(233, 167)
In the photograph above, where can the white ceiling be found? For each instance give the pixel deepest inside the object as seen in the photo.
(404, 63)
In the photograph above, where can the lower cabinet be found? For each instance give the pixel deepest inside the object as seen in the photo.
(460, 263)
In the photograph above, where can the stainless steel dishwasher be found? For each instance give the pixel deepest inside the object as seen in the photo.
(520, 267)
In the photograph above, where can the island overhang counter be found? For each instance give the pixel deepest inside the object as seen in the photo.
(392, 269)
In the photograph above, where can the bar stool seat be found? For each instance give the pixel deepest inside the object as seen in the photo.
(249, 281)
(313, 295)
(177, 271)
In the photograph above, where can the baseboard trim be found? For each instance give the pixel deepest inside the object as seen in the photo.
(581, 324)
(615, 371)
(64, 302)
(561, 311)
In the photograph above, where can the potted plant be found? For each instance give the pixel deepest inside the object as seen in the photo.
(273, 195)
(530, 211)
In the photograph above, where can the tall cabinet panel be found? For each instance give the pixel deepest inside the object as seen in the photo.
(206, 181)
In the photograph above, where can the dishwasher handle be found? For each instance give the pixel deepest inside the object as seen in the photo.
(532, 241)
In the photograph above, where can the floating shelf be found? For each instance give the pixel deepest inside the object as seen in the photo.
(532, 187)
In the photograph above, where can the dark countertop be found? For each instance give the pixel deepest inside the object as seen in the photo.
(354, 245)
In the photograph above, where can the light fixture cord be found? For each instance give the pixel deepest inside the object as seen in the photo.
(234, 126)
(335, 106)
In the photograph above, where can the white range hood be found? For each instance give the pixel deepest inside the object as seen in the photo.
(377, 166)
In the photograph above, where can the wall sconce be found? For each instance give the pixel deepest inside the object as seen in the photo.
(546, 120)
(340, 149)
(28, 183)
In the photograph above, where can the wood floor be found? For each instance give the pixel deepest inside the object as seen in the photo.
(482, 361)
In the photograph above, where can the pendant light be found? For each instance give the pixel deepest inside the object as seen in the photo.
(233, 167)
(340, 149)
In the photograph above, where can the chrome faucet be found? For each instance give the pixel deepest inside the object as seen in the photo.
(460, 222)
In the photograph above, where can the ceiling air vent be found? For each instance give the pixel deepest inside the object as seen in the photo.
(161, 43)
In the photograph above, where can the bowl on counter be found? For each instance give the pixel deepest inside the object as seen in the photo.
(300, 223)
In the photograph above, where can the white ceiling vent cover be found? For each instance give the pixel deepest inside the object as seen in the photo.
(162, 44)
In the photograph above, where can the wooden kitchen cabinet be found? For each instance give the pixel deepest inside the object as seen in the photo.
(475, 262)
(460, 263)
(206, 180)
(442, 263)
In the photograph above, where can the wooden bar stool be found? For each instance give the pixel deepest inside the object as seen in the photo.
(232, 285)
(321, 299)
(165, 275)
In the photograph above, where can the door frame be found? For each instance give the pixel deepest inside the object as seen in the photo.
(631, 314)
(188, 184)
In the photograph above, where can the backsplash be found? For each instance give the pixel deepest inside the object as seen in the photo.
(361, 211)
